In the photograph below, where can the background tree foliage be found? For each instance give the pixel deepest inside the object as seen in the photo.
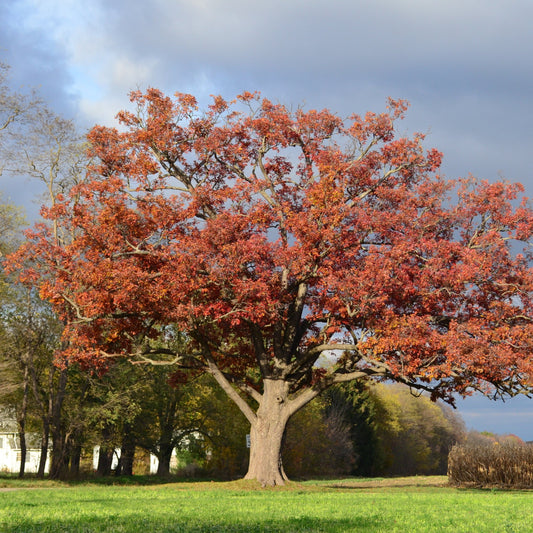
(37, 144)
(371, 430)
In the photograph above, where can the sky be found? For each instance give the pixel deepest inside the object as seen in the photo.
(465, 66)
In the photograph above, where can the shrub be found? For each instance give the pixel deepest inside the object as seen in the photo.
(503, 465)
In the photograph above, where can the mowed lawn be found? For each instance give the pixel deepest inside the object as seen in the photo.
(399, 505)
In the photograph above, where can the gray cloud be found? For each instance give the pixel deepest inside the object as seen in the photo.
(36, 60)
(320, 42)
(464, 65)
(36, 63)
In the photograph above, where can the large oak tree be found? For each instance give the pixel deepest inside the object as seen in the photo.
(293, 250)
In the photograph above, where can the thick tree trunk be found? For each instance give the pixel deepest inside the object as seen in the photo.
(127, 453)
(59, 467)
(266, 435)
(164, 456)
(105, 460)
(267, 424)
(127, 457)
(60, 459)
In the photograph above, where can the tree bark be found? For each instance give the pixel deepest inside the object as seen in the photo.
(105, 460)
(23, 450)
(75, 451)
(164, 456)
(75, 460)
(22, 425)
(45, 439)
(266, 435)
(127, 453)
(59, 463)
(59, 467)
(127, 458)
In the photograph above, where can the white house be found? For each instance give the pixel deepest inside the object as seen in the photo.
(10, 453)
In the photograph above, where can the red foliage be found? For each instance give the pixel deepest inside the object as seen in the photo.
(270, 237)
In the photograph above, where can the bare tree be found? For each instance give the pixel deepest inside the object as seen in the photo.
(15, 111)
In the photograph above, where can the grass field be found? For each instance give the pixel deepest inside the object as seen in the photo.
(398, 505)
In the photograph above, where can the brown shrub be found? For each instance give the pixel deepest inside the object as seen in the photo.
(506, 465)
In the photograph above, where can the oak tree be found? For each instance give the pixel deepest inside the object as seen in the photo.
(294, 250)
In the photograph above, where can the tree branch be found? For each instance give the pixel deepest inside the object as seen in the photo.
(228, 389)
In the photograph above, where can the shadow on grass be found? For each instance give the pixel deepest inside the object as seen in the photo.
(136, 480)
(161, 525)
(8, 480)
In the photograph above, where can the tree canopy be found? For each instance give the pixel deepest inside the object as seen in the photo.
(293, 250)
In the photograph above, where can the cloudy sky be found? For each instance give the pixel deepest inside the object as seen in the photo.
(465, 66)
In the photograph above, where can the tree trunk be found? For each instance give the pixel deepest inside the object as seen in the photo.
(75, 460)
(105, 461)
(164, 456)
(45, 439)
(60, 458)
(59, 466)
(127, 453)
(267, 424)
(266, 434)
(45, 413)
(22, 424)
(127, 458)
(23, 450)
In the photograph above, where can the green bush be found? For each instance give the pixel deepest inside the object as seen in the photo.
(506, 465)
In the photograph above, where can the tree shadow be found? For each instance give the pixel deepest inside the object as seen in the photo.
(162, 525)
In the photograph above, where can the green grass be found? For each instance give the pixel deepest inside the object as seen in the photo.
(400, 505)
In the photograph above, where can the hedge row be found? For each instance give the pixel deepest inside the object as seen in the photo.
(491, 465)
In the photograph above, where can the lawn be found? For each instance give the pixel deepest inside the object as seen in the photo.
(400, 505)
